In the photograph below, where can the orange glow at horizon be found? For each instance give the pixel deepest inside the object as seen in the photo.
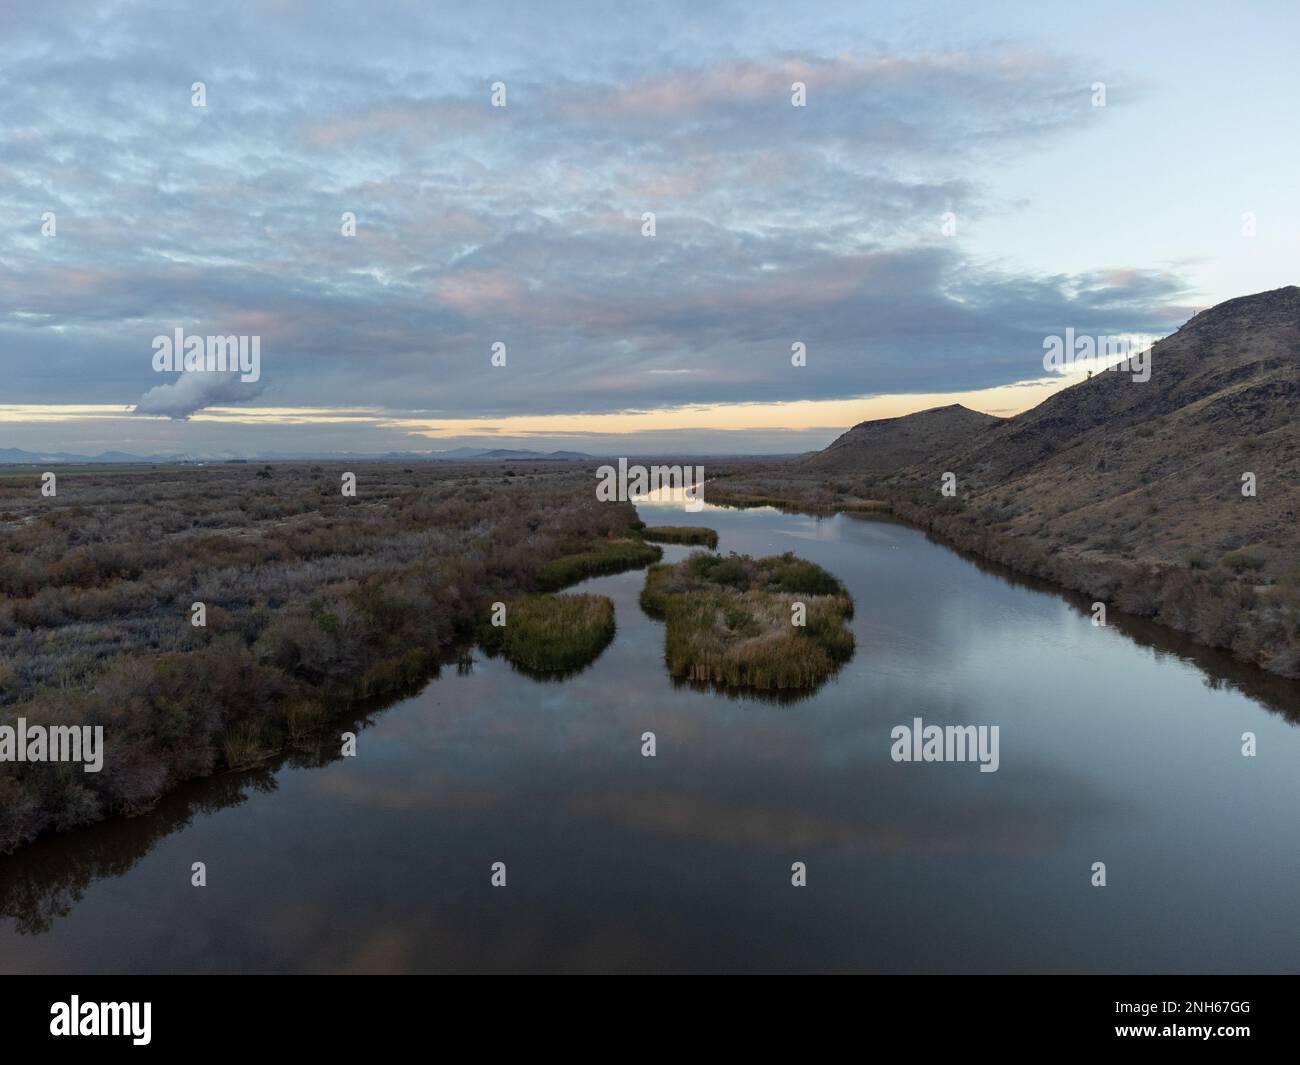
(794, 416)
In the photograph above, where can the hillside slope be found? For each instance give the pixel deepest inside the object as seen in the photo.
(1154, 469)
(890, 444)
(1129, 491)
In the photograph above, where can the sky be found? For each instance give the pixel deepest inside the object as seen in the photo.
(960, 182)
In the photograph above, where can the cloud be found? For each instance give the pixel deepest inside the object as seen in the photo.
(191, 392)
(523, 225)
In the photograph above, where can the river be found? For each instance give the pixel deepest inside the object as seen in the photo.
(1119, 745)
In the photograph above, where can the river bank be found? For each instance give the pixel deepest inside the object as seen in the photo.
(1220, 606)
(623, 862)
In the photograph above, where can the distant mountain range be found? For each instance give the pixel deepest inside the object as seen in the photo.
(17, 456)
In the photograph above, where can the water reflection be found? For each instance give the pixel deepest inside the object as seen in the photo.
(1222, 670)
(44, 881)
(1118, 744)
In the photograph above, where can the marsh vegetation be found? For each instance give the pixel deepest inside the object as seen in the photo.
(681, 534)
(602, 557)
(315, 602)
(774, 623)
(551, 634)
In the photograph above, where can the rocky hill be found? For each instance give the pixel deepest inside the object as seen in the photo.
(890, 444)
(1128, 490)
(1154, 469)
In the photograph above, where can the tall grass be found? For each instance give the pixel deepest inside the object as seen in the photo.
(552, 633)
(609, 556)
(730, 620)
(243, 746)
(682, 534)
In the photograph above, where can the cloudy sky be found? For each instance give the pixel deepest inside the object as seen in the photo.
(523, 225)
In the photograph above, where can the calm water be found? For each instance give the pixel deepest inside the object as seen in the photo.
(1119, 745)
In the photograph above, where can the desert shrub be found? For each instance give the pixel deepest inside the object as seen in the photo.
(1242, 562)
(1286, 661)
(314, 603)
(1139, 592)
